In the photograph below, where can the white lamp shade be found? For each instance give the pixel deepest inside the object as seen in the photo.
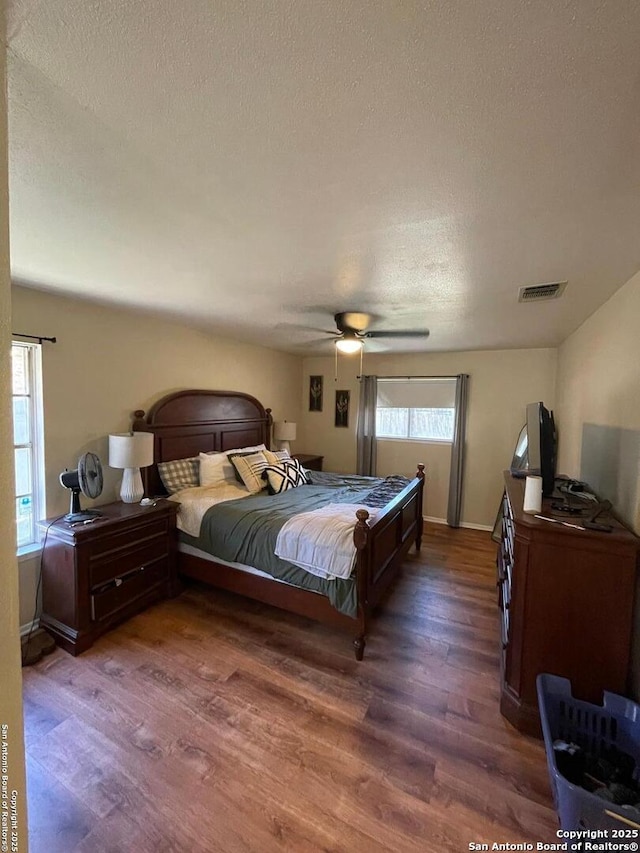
(131, 450)
(284, 431)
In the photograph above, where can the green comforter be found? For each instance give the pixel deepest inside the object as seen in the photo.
(245, 531)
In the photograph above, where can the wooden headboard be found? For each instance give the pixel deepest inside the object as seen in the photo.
(189, 422)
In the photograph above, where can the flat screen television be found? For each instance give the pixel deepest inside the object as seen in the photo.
(535, 451)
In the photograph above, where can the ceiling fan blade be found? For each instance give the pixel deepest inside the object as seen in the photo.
(298, 327)
(314, 343)
(406, 333)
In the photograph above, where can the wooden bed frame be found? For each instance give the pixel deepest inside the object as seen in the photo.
(189, 422)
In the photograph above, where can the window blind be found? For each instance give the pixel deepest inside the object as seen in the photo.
(416, 393)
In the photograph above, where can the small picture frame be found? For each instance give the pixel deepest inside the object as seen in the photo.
(342, 408)
(315, 393)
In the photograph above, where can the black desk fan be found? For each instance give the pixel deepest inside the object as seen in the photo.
(87, 478)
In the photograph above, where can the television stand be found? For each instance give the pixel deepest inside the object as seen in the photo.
(565, 506)
(566, 602)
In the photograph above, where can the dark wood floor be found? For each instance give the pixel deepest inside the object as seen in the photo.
(210, 723)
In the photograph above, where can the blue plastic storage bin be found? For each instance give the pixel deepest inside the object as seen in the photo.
(594, 728)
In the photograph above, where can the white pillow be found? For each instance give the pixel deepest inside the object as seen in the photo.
(252, 449)
(215, 468)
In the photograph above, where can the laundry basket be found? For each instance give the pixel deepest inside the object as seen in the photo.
(594, 728)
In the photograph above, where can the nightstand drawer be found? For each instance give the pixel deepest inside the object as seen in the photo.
(123, 591)
(118, 561)
(137, 534)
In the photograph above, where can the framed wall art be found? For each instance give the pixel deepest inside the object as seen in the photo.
(315, 393)
(342, 408)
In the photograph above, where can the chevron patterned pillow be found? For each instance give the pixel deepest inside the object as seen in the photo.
(288, 475)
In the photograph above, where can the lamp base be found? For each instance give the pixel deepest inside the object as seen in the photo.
(284, 445)
(131, 490)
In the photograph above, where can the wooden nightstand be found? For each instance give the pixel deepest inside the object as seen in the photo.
(96, 575)
(309, 460)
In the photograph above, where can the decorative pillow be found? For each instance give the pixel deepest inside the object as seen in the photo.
(215, 468)
(236, 455)
(179, 474)
(277, 457)
(288, 475)
(250, 467)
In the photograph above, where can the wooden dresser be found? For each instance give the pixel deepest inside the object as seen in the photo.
(96, 575)
(566, 602)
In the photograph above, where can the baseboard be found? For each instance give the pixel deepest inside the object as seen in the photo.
(30, 626)
(462, 524)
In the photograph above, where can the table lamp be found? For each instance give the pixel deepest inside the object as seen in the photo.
(131, 451)
(284, 432)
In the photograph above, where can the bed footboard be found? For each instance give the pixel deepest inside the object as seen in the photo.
(381, 548)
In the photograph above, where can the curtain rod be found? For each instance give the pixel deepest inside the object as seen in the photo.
(39, 338)
(416, 377)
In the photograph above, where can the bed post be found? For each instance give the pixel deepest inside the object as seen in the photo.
(360, 536)
(269, 441)
(419, 520)
(138, 423)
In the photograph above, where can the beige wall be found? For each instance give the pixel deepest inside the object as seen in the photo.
(10, 671)
(599, 409)
(108, 362)
(599, 401)
(502, 383)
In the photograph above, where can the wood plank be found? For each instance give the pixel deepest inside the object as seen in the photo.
(212, 723)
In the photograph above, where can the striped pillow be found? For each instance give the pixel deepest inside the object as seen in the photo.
(179, 474)
(249, 467)
(277, 457)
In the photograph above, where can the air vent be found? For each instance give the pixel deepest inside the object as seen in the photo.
(537, 292)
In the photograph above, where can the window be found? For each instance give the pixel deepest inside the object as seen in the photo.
(27, 440)
(416, 409)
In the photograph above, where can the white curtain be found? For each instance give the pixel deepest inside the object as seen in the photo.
(456, 474)
(366, 428)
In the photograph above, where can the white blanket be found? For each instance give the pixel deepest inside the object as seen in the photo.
(196, 501)
(321, 541)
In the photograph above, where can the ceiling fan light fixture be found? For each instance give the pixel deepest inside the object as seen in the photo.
(349, 344)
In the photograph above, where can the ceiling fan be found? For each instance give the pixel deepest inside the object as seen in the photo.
(353, 330)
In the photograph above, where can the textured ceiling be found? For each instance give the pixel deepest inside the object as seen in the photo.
(256, 165)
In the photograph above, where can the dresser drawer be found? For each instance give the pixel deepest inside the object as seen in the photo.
(118, 561)
(123, 591)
